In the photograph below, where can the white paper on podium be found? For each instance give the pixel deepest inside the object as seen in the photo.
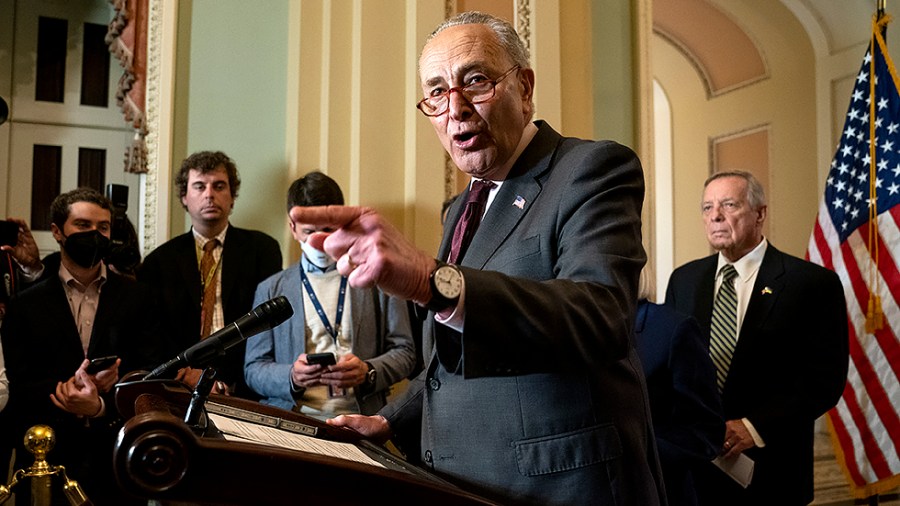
(739, 467)
(234, 430)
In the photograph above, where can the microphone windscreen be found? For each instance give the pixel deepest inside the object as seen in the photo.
(271, 314)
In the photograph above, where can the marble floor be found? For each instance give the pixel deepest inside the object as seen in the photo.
(831, 485)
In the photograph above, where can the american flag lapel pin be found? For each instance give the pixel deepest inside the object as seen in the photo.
(519, 202)
(767, 291)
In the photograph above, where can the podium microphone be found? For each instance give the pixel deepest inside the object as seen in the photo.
(265, 316)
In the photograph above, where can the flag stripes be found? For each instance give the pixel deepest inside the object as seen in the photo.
(865, 424)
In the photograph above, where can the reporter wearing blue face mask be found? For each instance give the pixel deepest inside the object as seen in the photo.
(343, 347)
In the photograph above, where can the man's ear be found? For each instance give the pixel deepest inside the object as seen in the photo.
(526, 85)
(57, 233)
(761, 214)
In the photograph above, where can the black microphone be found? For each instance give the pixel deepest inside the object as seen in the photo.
(265, 316)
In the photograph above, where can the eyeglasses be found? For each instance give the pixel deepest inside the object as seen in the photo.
(475, 93)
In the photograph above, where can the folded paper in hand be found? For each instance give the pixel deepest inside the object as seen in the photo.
(739, 467)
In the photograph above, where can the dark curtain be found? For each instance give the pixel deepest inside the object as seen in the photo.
(127, 40)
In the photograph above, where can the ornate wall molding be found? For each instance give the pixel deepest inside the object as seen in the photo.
(150, 179)
(523, 23)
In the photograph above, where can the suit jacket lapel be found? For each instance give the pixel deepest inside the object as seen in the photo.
(706, 291)
(231, 257)
(771, 276)
(189, 269)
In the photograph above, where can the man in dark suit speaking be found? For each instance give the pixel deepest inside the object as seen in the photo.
(778, 338)
(533, 391)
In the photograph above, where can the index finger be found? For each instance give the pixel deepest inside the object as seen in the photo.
(326, 216)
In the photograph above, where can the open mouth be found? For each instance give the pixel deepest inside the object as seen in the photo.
(465, 139)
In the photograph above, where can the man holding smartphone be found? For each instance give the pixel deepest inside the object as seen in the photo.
(344, 347)
(54, 328)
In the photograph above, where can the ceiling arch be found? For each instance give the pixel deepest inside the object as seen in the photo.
(725, 56)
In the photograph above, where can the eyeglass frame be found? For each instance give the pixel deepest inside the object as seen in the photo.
(462, 91)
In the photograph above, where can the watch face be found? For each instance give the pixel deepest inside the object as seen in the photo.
(448, 281)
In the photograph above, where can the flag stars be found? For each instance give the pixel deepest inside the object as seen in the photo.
(838, 203)
(883, 164)
(843, 168)
(861, 177)
(883, 102)
(893, 188)
(892, 128)
(857, 95)
(841, 186)
(862, 77)
(853, 114)
(850, 132)
(896, 170)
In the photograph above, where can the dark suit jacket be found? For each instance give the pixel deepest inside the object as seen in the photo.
(173, 276)
(41, 346)
(540, 400)
(681, 381)
(789, 366)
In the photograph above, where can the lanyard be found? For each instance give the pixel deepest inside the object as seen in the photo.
(315, 300)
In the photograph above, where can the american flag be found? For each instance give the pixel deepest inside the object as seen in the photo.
(863, 250)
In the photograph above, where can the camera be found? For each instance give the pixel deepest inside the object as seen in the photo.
(124, 254)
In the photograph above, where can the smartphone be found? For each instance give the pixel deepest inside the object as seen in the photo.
(320, 358)
(9, 233)
(100, 363)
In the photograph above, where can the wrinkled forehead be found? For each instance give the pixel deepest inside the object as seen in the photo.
(725, 188)
(460, 48)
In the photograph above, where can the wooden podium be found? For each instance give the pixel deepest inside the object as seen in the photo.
(158, 456)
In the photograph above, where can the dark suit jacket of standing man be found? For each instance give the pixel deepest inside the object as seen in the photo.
(789, 366)
(540, 400)
(681, 382)
(42, 346)
(173, 274)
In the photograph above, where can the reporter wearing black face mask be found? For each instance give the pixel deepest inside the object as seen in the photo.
(87, 248)
(81, 310)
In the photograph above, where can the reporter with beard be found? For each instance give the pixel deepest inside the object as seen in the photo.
(50, 332)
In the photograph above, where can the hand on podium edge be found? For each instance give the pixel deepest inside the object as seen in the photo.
(374, 427)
